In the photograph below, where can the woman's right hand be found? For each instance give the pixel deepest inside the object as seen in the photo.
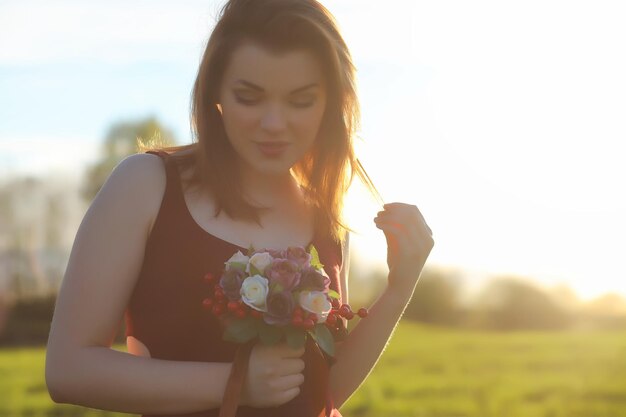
(274, 375)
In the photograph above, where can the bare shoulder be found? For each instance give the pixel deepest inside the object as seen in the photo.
(106, 257)
(137, 183)
(139, 170)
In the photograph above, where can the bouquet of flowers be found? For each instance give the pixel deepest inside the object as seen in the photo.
(278, 295)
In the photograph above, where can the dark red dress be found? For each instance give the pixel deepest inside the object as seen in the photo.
(165, 310)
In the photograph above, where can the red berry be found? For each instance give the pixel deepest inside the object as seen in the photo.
(209, 277)
(233, 305)
(240, 313)
(349, 315)
(363, 312)
(308, 324)
(218, 309)
(207, 303)
(298, 312)
(344, 310)
(297, 321)
(331, 319)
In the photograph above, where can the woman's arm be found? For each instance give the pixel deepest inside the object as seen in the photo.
(409, 243)
(104, 264)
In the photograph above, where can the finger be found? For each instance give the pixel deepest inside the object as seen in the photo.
(398, 207)
(287, 382)
(393, 222)
(395, 233)
(289, 352)
(401, 238)
(404, 208)
(405, 214)
(421, 218)
(288, 395)
(290, 366)
(401, 213)
(392, 243)
(430, 231)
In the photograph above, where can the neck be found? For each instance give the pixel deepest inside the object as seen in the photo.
(268, 191)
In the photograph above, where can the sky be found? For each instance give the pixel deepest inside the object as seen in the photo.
(501, 121)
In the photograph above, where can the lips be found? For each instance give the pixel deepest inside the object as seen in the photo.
(272, 149)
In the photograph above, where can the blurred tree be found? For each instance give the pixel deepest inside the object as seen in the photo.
(121, 141)
(510, 303)
(565, 297)
(436, 297)
(607, 311)
(7, 217)
(607, 304)
(54, 222)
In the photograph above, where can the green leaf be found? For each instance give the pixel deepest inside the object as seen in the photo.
(333, 294)
(238, 265)
(324, 338)
(254, 271)
(315, 258)
(295, 337)
(270, 335)
(242, 330)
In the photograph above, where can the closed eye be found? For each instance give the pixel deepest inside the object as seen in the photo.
(246, 101)
(304, 100)
(303, 105)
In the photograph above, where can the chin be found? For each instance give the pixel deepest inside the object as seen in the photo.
(271, 168)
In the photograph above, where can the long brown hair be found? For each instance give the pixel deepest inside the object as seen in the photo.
(328, 169)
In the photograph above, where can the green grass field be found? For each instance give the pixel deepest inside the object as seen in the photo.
(429, 372)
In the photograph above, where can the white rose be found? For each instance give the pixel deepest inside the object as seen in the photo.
(316, 302)
(254, 291)
(238, 259)
(260, 261)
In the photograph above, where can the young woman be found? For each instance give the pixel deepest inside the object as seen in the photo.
(274, 111)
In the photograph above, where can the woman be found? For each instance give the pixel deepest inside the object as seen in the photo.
(274, 111)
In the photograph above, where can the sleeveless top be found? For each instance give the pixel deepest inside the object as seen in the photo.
(165, 309)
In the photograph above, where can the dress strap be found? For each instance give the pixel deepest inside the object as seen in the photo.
(173, 188)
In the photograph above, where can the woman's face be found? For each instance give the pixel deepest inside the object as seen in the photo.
(272, 106)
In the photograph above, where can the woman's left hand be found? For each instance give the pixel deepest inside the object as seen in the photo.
(409, 242)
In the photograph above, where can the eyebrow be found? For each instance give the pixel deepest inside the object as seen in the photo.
(258, 88)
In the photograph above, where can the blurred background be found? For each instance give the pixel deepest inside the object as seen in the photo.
(501, 121)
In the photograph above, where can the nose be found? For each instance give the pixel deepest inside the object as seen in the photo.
(273, 119)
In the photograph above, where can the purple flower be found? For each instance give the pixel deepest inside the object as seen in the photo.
(298, 255)
(280, 307)
(283, 272)
(313, 280)
(231, 283)
(276, 253)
